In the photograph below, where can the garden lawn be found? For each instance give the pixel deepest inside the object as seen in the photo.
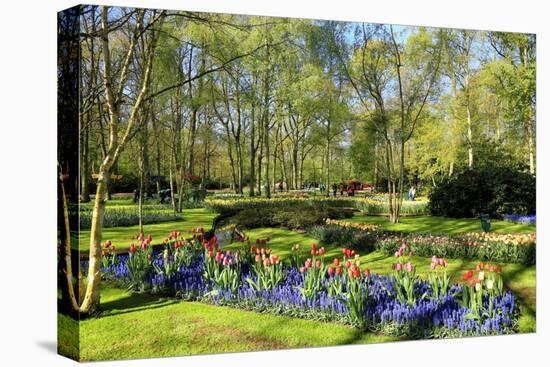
(441, 225)
(521, 279)
(122, 237)
(140, 326)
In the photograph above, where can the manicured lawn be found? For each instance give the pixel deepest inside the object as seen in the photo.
(520, 279)
(428, 224)
(140, 326)
(122, 237)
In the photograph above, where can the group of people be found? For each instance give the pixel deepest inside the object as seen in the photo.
(349, 189)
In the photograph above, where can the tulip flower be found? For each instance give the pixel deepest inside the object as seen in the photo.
(318, 264)
(489, 284)
(302, 269)
(398, 266)
(367, 272)
(107, 243)
(408, 266)
(330, 271)
(338, 271)
(348, 264)
(336, 262)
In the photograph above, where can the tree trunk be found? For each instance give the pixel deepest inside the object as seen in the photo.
(68, 296)
(470, 143)
(91, 297)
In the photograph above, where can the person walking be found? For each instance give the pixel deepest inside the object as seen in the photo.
(334, 188)
(412, 193)
(341, 189)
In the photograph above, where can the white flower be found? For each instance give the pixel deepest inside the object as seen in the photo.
(478, 287)
(481, 275)
(489, 284)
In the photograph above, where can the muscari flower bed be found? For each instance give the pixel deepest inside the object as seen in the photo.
(523, 219)
(400, 304)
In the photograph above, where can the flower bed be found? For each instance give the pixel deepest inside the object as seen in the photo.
(123, 217)
(523, 219)
(509, 248)
(256, 279)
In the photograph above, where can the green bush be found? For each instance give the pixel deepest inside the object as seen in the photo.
(331, 234)
(128, 216)
(492, 190)
(290, 217)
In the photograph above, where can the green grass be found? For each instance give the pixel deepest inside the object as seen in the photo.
(122, 237)
(519, 278)
(140, 326)
(428, 224)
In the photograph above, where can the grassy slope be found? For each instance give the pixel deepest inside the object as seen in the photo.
(442, 225)
(122, 237)
(139, 326)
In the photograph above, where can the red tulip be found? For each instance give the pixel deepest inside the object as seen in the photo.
(367, 272)
(465, 276)
(336, 262)
(107, 243)
(338, 271)
(470, 273)
(318, 264)
(103, 252)
(348, 264)
(133, 248)
(267, 262)
(330, 271)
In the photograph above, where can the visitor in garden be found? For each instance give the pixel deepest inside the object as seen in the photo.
(412, 193)
(334, 188)
(351, 191)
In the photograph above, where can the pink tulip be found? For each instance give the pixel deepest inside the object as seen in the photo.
(318, 264)
(107, 243)
(302, 269)
(434, 259)
(408, 266)
(398, 266)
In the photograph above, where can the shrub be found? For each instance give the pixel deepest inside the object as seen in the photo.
(122, 217)
(492, 190)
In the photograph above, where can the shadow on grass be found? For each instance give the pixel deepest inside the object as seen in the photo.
(134, 302)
